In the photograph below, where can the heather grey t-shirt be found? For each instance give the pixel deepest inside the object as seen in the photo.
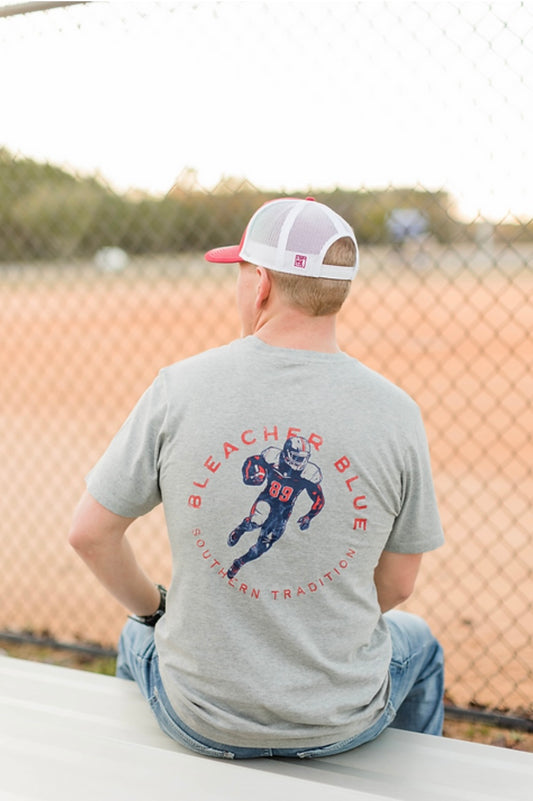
(284, 474)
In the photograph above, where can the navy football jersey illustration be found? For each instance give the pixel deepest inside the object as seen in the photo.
(285, 473)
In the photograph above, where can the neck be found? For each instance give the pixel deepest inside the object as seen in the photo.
(300, 332)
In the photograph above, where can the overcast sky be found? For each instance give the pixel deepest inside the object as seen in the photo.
(289, 95)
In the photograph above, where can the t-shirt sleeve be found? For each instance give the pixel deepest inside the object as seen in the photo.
(126, 478)
(417, 527)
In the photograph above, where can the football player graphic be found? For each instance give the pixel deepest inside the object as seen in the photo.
(287, 472)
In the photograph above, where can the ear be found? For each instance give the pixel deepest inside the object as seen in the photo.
(264, 286)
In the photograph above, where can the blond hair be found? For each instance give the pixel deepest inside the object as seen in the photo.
(318, 297)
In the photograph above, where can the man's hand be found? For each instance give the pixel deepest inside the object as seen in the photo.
(304, 522)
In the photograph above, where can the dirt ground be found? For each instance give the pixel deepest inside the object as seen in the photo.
(78, 348)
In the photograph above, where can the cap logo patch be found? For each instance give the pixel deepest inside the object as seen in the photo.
(300, 261)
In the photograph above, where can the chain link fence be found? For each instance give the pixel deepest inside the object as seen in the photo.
(102, 280)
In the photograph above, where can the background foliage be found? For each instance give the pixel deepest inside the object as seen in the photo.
(49, 213)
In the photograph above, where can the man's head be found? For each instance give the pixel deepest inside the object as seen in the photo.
(309, 251)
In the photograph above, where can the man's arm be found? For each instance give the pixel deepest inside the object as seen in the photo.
(317, 496)
(395, 577)
(98, 537)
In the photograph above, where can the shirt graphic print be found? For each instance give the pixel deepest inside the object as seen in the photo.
(285, 473)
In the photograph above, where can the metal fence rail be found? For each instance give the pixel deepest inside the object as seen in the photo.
(101, 285)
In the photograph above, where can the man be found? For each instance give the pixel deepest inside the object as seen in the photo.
(294, 656)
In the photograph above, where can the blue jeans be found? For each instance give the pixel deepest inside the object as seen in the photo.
(415, 702)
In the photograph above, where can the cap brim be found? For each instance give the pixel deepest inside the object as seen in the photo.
(227, 255)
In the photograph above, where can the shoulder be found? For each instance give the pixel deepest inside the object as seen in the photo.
(377, 384)
(208, 368)
(381, 397)
(271, 455)
(312, 473)
(209, 357)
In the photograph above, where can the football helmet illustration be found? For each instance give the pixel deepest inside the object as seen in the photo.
(296, 453)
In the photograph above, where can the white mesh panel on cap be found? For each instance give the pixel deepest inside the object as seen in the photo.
(266, 227)
(310, 230)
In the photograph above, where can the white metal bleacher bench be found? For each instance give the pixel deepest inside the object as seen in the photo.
(69, 735)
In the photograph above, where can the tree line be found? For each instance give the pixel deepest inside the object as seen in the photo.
(48, 213)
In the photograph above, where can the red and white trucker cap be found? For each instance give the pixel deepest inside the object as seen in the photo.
(291, 235)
